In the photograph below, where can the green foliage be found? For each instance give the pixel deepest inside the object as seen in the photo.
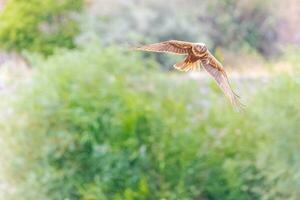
(279, 126)
(106, 128)
(95, 124)
(231, 24)
(242, 24)
(36, 25)
(291, 55)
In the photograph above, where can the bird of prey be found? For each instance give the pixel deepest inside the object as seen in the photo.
(197, 54)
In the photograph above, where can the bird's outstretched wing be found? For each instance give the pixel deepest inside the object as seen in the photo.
(171, 46)
(216, 70)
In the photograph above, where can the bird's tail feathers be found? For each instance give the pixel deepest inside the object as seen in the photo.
(187, 66)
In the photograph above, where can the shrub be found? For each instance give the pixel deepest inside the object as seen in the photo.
(279, 127)
(242, 24)
(94, 124)
(38, 25)
(231, 24)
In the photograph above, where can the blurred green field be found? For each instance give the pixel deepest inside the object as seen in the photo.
(89, 120)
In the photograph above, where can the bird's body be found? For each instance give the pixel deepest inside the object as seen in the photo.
(197, 54)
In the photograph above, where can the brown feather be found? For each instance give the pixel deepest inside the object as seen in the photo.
(196, 53)
(216, 70)
(171, 46)
(190, 63)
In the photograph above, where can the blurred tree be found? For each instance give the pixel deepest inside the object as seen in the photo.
(36, 25)
(239, 24)
(231, 24)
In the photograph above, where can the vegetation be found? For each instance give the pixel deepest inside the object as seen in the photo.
(92, 127)
(100, 123)
(36, 25)
(42, 26)
(231, 24)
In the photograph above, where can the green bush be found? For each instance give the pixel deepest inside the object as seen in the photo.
(242, 24)
(230, 24)
(36, 25)
(279, 127)
(96, 124)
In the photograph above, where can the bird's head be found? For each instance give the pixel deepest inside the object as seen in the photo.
(200, 48)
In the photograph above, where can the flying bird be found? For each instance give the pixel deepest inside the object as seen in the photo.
(197, 54)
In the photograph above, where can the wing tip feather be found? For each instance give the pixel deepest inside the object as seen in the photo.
(237, 104)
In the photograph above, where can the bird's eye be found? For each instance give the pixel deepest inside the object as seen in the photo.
(201, 48)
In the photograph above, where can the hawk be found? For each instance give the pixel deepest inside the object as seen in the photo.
(197, 54)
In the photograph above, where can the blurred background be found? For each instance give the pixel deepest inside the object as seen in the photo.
(84, 118)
